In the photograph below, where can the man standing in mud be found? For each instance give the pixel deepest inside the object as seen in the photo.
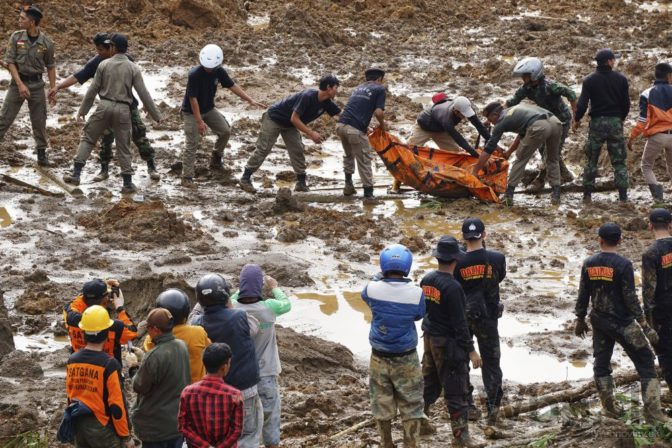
(607, 93)
(28, 54)
(366, 101)
(547, 94)
(448, 343)
(289, 117)
(657, 287)
(138, 129)
(480, 272)
(608, 281)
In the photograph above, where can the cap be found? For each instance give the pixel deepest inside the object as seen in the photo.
(448, 249)
(472, 229)
(34, 11)
(94, 289)
(610, 231)
(439, 98)
(101, 38)
(160, 318)
(118, 40)
(660, 216)
(604, 55)
(374, 73)
(463, 106)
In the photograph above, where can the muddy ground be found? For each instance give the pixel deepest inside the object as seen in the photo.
(322, 251)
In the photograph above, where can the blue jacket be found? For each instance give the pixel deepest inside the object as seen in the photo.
(395, 304)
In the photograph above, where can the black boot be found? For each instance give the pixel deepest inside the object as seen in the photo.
(301, 183)
(42, 159)
(216, 162)
(656, 192)
(245, 181)
(622, 194)
(587, 195)
(555, 195)
(508, 196)
(104, 172)
(128, 187)
(151, 170)
(368, 192)
(349, 188)
(73, 178)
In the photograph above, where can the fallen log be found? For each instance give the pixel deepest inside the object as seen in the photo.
(20, 183)
(353, 428)
(74, 191)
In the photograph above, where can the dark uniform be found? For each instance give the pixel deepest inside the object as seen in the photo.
(483, 310)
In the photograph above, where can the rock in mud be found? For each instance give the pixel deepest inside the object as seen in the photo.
(6, 335)
(39, 276)
(20, 364)
(40, 298)
(285, 202)
(173, 259)
(290, 234)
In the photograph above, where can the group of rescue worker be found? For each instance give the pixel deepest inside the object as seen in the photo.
(542, 126)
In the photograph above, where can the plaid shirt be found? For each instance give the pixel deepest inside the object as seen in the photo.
(211, 414)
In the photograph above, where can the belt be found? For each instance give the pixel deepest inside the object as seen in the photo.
(380, 354)
(30, 78)
(115, 101)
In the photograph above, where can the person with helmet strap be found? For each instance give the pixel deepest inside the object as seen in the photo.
(104, 293)
(199, 112)
(395, 377)
(93, 384)
(548, 94)
(177, 302)
(287, 117)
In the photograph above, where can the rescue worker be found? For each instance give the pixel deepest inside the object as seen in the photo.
(479, 273)
(608, 280)
(100, 292)
(199, 112)
(655, 123)
(163, 374)
(657, 288)
(447, 341)
(546, 94)
(138, 129)
(607, 93)
(113, 82)
(231, 326)
(177, 303)
(289, 117)
(266, 310)
(28, 54)
(535, 127)
(366, 101)
(395, 376)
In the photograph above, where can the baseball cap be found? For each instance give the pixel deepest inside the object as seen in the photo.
(119, 41)
(609, 231)
(439, 98)
(605, 54)
(374, 73)
(94, 289)
(660, 216)
(463, 106)
(161, 319)
(472, 229)
(448, 249)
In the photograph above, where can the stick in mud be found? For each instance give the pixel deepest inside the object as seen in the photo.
(20, 183)
(74, 191)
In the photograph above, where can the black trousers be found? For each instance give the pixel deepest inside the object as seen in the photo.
(443, 374)
(631, 337)
(663, 325)
(487, 335)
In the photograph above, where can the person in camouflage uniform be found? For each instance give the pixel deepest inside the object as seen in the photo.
(607, 93)
(395, 377)
(546, 94)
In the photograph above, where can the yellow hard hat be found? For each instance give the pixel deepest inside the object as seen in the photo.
(95, 319)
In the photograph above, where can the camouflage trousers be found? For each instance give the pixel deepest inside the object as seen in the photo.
(138, 135)
(396, 383)
(662, 323)
(487, 335)
(609, 130)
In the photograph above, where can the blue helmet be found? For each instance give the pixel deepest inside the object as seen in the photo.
(396, 257)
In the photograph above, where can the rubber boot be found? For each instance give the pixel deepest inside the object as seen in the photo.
(538, 183)
(587, 195)
(461, 436)
(605, 390)
(412, 432)
(653, 413)
(42, 158)
(73, 178)
(104, 172)
(385, 431)
(216, 162)
(245, 182)
(128, 187)
(508, 196)
(369, 199)
(474, 414)
(349, 188)
(622, 194)
(426, 427)
(394, 189)
(555, 195)
(151, 170)
(494, 419)
(565, 174)
(301, 183)
(656, 192)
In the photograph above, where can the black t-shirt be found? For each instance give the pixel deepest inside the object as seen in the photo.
(89, 71)
(657, 277)
(445, 316)
(470, 272)
(364, 100)
(306, 104)
(203, 86)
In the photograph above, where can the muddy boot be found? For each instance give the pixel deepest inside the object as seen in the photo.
(412, 432)
(104, 172)
(369, 199)
(151, 170)
(555, 195)
(73, 178)
(653, 413)
(349, 188)
(385, 431)
(245, 182)
(565, 174)
(656, 193)
(587, 195)
(622, 194)
(508, 196)
(605, 389)
(426, 427)
(129, 186)
(538, 183)
(474, 414)
(216, 162)
(461, 437)
(495, 419)
(42, 159)
(301, 183)
(394, 189)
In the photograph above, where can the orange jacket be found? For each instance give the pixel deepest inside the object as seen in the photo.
(94, 378)
(655, 110)
(196, 340)
(122, 331)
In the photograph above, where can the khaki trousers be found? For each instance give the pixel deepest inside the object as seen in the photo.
(655, 145)
(268, 135)
(108, 115)
(356, 148)
(542, 132)
(217, 123)
(37, 107)
(442, 139)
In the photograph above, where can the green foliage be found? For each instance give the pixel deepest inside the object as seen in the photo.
(647, 435)
(431, 204)
(29, 439)
(543, 442)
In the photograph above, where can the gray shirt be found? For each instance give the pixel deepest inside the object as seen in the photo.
(515, 119)
(30, 58)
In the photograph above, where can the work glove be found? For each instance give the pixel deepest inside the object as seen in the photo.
(117, 298)
(651, 335)
(581, 328)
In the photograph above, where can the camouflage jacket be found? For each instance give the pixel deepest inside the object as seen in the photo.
(547, 94)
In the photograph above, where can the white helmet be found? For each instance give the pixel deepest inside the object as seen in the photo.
(464, 106)
(211, 56)
(533, 66)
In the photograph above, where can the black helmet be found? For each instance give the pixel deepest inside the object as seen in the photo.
(176, 301)
(212, 289)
